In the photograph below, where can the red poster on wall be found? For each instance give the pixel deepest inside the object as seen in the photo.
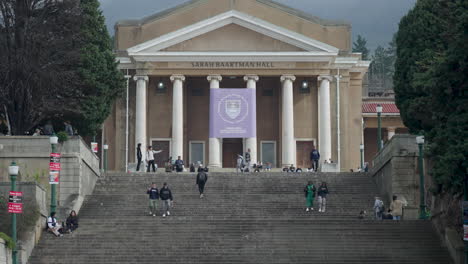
(54, 164)
(15, 203)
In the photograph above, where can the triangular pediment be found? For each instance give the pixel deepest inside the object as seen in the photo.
(231, 38)
(250, 29)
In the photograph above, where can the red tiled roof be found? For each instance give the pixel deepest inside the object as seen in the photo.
(387, 108)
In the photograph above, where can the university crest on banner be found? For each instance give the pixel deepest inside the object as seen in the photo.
(233, 108)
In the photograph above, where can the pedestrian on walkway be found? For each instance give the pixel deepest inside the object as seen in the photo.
(396, 208)
(139, 157)
(309, 192)
(314, 157)
(153, 193)
(322, 197)
(202, 178)
(150, 158)
(48, 129)
(68, 128)
(247, 160)
(378, 208)
(166, 197)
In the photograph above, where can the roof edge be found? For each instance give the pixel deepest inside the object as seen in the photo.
(271, 3)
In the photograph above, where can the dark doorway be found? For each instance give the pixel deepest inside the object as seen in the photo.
(231, 148)
(303, 149)
(162, 157)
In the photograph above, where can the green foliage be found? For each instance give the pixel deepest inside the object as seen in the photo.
(361, 46)
(8, 240)
(431, 84)
(102, 81)
(62, 136)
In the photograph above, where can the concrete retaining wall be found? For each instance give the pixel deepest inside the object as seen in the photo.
(395, 171)
(5, 253)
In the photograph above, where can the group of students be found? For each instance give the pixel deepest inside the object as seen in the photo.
(177, 165)
(58, 229)
(310, 192)
(164, 194)
(395, 211)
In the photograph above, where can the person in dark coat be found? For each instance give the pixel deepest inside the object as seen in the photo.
(153, 194)
(166, 197)
(139, 157)
(315, 157)
(72, 221)
(179, 165)
(202, 178)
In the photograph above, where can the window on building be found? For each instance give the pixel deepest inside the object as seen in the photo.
(269, 153)
(197, 152)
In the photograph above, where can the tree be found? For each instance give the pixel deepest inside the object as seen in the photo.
(431, 84)
(361, 46)
(38, 54)
(102, 81)
(57, 63)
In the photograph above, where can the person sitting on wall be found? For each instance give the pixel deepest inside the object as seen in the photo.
(298, 170)
(179, 164)
(168, 165)
(268, 166)
(192, 167)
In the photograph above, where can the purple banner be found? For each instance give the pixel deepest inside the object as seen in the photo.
(233, 113)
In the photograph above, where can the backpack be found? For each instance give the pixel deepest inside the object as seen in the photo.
(202, 177)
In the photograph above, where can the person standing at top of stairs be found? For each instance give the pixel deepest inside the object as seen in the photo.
(139, 157)
(309, 192)
(314, 158)
(150, 158)
(153, 198)
(166, 198)
(202, 178)
(247, 160)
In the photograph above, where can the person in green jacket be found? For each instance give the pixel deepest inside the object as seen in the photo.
(309, 192)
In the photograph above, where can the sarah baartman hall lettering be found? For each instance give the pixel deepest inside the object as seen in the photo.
(280, 62)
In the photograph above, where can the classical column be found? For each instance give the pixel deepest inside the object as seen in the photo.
(287, 117)
(140, 112)
(390, 132)
(251, 143)
(214, 160)
(177, 116)
(324, 118)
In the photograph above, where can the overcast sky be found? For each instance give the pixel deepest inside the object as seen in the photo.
(376, 20)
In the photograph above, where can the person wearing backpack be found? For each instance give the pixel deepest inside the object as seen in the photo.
(309, 192)
(202, 178)
(53, 226)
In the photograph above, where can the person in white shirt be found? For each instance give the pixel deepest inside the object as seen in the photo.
(53, 226)
(150, 158)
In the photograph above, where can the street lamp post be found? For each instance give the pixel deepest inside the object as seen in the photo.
(422, 202)
(105, 147)
(361, 148)
(379, 127)
(465, 198)
(13, 171)
(53, 195)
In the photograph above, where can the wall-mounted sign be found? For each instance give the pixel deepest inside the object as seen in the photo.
(15, 203)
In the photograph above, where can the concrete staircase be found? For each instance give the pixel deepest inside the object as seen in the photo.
(249, 218)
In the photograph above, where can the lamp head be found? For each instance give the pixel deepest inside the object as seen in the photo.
(361, 147)
(304, 84)
(379, 108)
(420, 140)
(53, 139)
(161, 85)
(13, 169)
(106, 146)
